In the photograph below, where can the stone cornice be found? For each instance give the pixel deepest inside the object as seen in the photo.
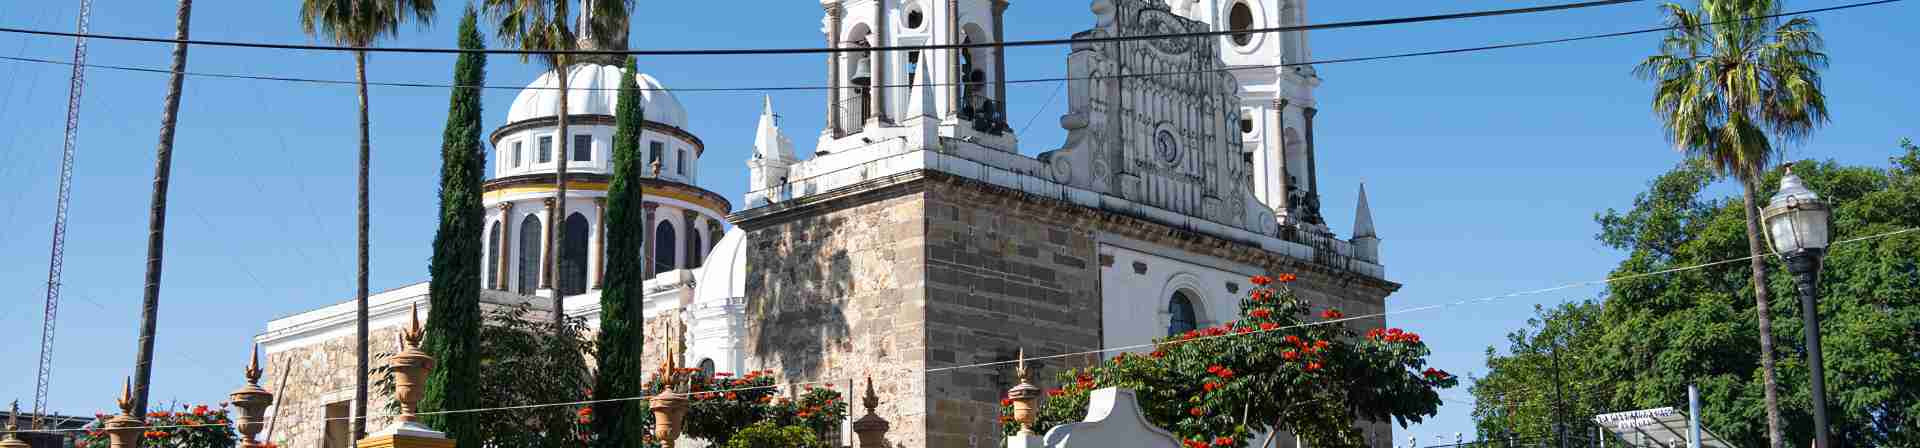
(699, 146)
(1055, 210)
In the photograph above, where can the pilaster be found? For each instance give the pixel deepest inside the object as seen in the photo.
(599, 242)
(501, 266)
(546, 246)
(646, 229)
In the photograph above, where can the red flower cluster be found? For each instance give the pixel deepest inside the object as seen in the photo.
(1287, 278)
(1393, 335)
(1331, 314)
(1056, 392)
(1260, 313)
(1268, 326)
(1220, 371)
(1312, 366)
(1196, 411)
(1435, 374)
(1260, 280)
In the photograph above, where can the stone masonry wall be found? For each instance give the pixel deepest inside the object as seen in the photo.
(840, 294)
(1003, 275)
(318, 375)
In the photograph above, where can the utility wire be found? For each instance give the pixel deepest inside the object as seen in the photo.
(1532, 43)
(815, 50)
(831, 381)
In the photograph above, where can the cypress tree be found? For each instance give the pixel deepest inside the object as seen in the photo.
(619, 423)
(453, 325)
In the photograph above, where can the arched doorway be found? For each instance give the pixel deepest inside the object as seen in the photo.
(573, 255)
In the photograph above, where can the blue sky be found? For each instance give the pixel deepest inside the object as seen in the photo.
(1484, 169)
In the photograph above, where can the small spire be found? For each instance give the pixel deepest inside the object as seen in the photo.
(872, 400)
(253, 366)
(414, 334)
(1020, 370)
(126, 398)
(1363, 215)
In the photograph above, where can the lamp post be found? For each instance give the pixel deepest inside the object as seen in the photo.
(1796, 221)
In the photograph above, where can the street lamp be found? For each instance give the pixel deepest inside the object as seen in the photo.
(1796, 222)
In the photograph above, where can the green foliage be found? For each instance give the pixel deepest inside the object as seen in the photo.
(522, 362)
(1273, 369)
(359, 22)
(766, 434)
(453, 328)
(1731, 74)
(621, 323)
(192, 426)
(1654, 335)
(724, 404)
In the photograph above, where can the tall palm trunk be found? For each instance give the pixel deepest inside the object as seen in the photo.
(555, 239)
(360, 277)
(157, 213)
(1762, 310)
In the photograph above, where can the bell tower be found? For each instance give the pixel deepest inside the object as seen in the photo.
(965, 88)
(1276, 99)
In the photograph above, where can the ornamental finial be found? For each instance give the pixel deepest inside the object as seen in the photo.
(414, 334)
(126, 398)
(872, 400)
(1020, 370)
(253, 366)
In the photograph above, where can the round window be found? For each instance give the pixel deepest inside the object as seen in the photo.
(1166, 148)
(1240, 18)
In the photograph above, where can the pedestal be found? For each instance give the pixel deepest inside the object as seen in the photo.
(406, 435)
(1025, 441)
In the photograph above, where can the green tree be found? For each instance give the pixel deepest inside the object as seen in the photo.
(522, 362)
(621, 322)
(541, 25)
(358, 23)
(768, 435)
(1274, 369)
(1729, 76)
(1654, 335)
(453, 328)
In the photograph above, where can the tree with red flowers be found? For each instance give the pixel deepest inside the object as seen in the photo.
(192, 426)
(1279, 367)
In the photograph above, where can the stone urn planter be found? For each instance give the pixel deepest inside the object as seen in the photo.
(252, 400)
(669, 411)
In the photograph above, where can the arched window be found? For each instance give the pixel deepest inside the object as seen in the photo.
(529, 254)
(573, 255)
(663, 245)
(492, 274)
(706, 368)
(694, 248)
(1240, 18)
(1184, 319)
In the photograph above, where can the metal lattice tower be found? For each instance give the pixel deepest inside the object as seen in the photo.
(58, 259)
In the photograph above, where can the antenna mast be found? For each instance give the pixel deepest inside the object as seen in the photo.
(58, 259)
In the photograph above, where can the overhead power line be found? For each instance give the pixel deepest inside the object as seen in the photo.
(763, 89)
(831, 381)
(813, 50)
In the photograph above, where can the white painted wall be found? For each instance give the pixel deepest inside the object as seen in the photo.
(1134, 307)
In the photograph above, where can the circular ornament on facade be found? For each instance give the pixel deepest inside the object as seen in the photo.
(1166, 148)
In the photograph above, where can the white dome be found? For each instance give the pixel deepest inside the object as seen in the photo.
(592, 90)
(724, 276)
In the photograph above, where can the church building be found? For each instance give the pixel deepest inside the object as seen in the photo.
(918, 243)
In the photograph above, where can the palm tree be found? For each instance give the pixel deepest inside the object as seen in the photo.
(157, 213)
(541, 25)
(1732, 81)
(357, 23)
